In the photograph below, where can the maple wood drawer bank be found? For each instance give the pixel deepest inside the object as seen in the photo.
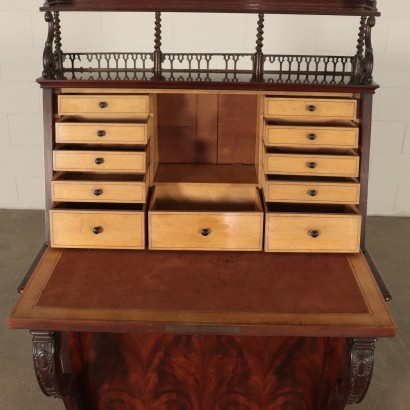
(311, 108)
(311, 164)
(310, 136)
(326, 190)
(193, 217)
(310, 228)
(103, 105)
(101, 161)
(78, 187)
(102, 133)
(75, 226)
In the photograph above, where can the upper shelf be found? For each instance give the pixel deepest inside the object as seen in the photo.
(325, 7)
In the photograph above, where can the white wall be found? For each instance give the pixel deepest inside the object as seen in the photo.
(23, 32)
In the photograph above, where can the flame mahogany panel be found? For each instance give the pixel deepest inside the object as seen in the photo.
(175, 372)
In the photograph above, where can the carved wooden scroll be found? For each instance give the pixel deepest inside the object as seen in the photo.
(47, 364)
(364, 59)
(53, 56)
(368, 56)
(359, 373)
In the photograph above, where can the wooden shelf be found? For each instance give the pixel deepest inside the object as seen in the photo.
(328, 7)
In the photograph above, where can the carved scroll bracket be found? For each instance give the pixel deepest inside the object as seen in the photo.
(364, 63)
(47, 364)
(368, 63)
(359, 373)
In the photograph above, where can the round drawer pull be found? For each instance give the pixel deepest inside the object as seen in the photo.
(205, 231)
(98, 192)
(312, 192)
(97, 230)
(101, 133)
(312, 165)
(314, 233)
(99, 161)
(312, 137)
(103, 104)
(311, 108)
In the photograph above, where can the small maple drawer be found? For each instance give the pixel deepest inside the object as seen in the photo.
(311, 108)
(102, 133)
(311, 164)
(332, 229)
(103, 105)
(84, 188)
(101, 161)
(194, 217)
(311, 137)
(311, 191)
(74, 227)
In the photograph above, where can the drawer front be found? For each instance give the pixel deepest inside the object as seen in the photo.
(95, 191)
(312, 233)
(225, 231)
(100, 161)
(320, 165)
(103, 104)
(314, 108)
(78, 133)
(75, 229)
(312, 192)
(310, 137)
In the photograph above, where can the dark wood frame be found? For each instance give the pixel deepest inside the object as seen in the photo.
(330, 7)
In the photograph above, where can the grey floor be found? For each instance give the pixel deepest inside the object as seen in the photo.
(21, 235)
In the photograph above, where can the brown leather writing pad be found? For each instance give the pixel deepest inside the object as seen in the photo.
(203, 281)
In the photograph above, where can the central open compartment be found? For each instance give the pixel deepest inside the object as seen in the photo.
(203, 130)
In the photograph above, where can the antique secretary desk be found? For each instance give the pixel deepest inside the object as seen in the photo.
(205, 222)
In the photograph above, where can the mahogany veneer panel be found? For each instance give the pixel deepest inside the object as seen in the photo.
(163, 372)
(237, 122)
(187, 128)
(267, 294)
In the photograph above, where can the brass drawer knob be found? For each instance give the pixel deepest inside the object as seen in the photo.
(311, 108)
(205, 231)
(99, 161)
(314, 233)
(312, 137)
(98, 192)
(101, 133)
(312, 192)
(312, 165)
(103, 104)
(97, 230)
